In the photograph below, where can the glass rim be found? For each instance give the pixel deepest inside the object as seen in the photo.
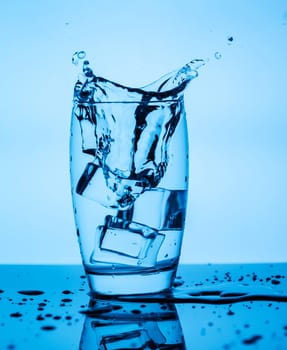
(126, 102)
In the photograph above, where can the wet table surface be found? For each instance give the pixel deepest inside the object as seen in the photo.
(210, 307)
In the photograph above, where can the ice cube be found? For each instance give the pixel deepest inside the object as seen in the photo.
(125, 242)
(161, 209)
(111, 193)
(135, 339)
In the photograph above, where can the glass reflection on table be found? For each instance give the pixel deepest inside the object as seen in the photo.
(111, 325)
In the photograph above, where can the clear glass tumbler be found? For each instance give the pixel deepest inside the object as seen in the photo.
(129, 180)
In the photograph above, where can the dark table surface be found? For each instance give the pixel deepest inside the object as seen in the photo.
(210, 307)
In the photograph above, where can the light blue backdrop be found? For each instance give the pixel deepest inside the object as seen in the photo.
(236, 113)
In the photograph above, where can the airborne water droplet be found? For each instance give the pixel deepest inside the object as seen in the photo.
(78, 55)
(81, 55)
(230, 40)
(75, 60)
(217, 55)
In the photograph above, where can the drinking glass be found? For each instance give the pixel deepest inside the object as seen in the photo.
(129, 179)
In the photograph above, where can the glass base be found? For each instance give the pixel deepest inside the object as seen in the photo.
(129, 284)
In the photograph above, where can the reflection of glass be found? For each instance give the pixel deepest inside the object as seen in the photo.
(129, 177)
(112, 325)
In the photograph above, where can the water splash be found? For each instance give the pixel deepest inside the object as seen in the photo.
(129, 169)
(91, 88)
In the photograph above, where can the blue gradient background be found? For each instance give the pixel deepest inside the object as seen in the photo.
(236, 116)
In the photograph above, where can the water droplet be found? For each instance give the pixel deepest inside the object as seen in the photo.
(31, 292)
(67, 292)
(75, 59)
(177, 284)
(48, 328)
(275, 281)
(217, 55)
(136, 312)
(78, 55)
(16, 314)
(42, 304)
(252, 340)
(81, 55)
(66, 300)
(40, 318)
(230, 40)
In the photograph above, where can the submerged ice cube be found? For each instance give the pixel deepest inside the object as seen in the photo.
(134, 339)
(124, 242)
(161, 209)
(111, 192)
